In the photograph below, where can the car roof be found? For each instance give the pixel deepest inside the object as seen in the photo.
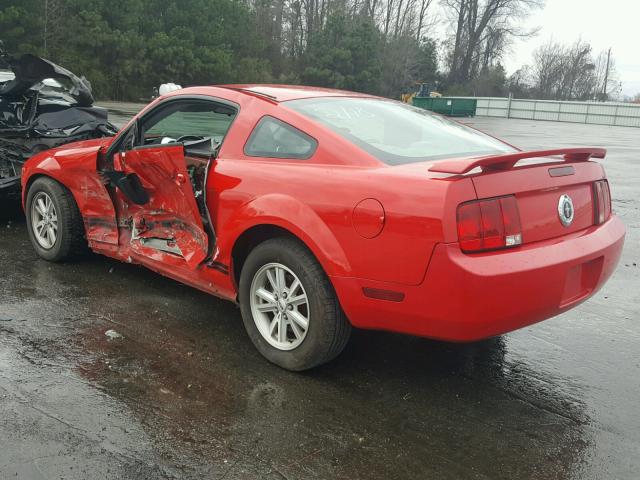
(282, 93)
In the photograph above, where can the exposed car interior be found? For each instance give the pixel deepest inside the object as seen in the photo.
(199, 125)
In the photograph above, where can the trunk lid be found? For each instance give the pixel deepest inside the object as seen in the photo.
(539, 189)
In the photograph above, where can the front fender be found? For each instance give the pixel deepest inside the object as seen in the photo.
(76, 169)
(290, 214)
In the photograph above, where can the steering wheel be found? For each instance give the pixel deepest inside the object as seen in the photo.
(194, 138)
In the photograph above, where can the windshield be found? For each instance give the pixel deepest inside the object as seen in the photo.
(397, 133)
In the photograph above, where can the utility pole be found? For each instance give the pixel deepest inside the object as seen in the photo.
(606, 76)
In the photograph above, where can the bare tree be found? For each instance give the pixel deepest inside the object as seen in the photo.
(481, 31)
(578, 79)
(548, 69)
(295, 31)
(405, 17)
(569, 72)
(520, 82)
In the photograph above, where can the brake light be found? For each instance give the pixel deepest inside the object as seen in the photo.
(602, 201)
(489, 224)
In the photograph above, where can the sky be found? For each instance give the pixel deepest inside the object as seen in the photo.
(606, 24)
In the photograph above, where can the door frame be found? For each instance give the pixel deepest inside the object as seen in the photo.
(115, 147)
(117, 142)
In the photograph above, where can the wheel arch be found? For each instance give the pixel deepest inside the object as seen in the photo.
(26, 184)
(46, 174)
(34, 176)
(77, 173)
(258, 233)
(70, 234)
(274, 215)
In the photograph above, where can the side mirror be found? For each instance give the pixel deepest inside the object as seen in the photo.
(129, 185)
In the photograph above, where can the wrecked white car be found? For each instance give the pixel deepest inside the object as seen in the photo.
(42, 106)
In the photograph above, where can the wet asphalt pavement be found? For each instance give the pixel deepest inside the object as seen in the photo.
(183, 394)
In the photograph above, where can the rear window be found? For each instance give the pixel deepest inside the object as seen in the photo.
(397, 133)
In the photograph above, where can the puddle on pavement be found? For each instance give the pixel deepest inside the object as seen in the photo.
(390, 406)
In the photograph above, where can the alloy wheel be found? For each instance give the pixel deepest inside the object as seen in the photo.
(279, 306)
(44, 220)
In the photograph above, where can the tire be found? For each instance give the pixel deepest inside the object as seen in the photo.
(328, 329)
(69, 238)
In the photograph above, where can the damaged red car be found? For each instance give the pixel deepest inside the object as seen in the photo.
(322, 210)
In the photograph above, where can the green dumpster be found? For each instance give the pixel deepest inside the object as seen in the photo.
(451, 107)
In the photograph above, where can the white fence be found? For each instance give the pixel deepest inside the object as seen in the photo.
(622, 114)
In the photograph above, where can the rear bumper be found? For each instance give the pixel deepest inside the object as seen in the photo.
(471, 297)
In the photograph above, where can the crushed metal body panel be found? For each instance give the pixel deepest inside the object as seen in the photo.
(42, 106)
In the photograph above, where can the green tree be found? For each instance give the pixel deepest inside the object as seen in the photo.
(345, 54)
(490, 82)
(407, 63)
(17, 25)
(127, 47)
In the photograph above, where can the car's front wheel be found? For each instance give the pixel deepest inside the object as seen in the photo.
(289, 307)
(53, 221)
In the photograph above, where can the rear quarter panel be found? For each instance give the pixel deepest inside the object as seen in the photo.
(315, 199)
(316, 202)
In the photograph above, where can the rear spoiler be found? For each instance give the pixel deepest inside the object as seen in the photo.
(508, 160)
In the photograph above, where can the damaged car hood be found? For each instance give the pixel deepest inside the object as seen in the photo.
(42, 106)
(30, 73)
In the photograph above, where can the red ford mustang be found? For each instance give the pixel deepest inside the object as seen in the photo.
(318, 210)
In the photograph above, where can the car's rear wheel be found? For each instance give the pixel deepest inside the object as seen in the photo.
(289, 307)
(53, 221)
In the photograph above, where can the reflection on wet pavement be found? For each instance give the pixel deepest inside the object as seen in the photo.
(183, 394)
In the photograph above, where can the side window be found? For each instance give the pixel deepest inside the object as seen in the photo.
(194, 118)
(275, 139)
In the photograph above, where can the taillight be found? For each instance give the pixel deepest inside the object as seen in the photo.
(489, 224)
(602, 201)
